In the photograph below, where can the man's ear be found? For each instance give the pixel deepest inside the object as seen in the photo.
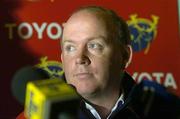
(130, 53)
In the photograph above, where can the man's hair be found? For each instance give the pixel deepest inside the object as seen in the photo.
(117, 27)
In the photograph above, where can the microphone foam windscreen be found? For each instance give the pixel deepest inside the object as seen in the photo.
(22, 77)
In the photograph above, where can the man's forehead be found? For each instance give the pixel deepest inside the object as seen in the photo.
(83, 19)
(87, 21)
(96, 38)
(81, 16)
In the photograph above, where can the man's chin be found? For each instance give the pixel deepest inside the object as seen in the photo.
(86, 93)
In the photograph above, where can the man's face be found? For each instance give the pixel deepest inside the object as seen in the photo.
(86, 54)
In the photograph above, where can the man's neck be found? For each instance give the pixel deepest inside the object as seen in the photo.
(104, 103)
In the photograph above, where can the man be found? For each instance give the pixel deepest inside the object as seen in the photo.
(95, 53)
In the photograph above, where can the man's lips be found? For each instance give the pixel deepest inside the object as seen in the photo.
(83, 75)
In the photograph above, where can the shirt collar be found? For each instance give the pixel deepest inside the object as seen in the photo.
(95, 113)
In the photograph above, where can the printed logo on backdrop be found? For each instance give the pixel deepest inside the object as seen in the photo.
(26, 30)
(52, 68)
(143, 32)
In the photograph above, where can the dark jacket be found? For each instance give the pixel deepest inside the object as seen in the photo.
(145, 100)
(122, 111)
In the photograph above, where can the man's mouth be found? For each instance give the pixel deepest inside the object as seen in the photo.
(83, 75)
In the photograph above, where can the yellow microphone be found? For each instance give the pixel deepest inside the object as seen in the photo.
(50, 99)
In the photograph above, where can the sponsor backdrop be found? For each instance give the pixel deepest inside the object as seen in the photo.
(31, 29)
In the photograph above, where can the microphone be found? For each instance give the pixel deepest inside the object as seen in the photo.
(151, 100)
(22, 77)
(51, 99)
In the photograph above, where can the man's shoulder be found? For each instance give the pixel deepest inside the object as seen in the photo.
(127, 84)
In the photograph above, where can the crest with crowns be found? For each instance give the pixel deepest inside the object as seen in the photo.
(142, 31)
(53, 68)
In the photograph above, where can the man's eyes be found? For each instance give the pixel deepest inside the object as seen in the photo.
(91, 47)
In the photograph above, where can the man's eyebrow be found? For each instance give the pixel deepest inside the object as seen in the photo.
(89, 39)
(98, 37)
(67, 41)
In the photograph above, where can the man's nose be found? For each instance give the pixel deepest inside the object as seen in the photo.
(83, 58)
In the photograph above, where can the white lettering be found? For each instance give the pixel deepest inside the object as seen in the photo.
(40, 29)
(169, 81)
(49, 31)
(26, 30)
(162, 78)
(29, 30)
(144, 75)
(10, 29)
(134, 76)
(158, 76)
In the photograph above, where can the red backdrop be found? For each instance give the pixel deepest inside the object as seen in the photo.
(30, 29)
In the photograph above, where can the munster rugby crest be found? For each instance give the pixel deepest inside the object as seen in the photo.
(53, 68)
(143, 32)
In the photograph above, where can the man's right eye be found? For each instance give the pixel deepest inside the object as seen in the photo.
(69, 48)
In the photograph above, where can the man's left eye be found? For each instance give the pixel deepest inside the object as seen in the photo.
(95, 46)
